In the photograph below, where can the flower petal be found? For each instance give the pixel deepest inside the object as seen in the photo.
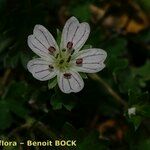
(70, 82)
(75, 33)
(41, 69)
(90, 60)
(41, 41)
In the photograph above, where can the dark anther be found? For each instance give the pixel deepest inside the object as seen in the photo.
(69, 45)
(51, 49)
(67, 75)
(69, 59)
(72, 51)
(79, 61)
(51, 67)
(61, 61)
(63, 50)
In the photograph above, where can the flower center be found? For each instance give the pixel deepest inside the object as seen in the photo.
(62, 60)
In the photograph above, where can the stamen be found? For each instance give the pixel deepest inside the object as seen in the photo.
(69, 45)
(67, 75)
(51, 67)
(51, 49)
(69, 59)
(79, 61)
(61, 61)
(72, 51)
(57, 56)
(63, 50)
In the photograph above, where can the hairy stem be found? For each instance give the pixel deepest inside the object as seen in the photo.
(109, 89)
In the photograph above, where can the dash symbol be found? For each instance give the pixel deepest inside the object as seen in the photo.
(21, 143)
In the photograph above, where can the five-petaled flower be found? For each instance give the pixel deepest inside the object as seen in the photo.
(66, 60)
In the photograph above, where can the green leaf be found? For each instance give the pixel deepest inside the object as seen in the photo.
(14, 98)
(4, 43)
(11, 61)
(18, 109)
(144, 145)
(144, 110)
(83, 75)
(85, 140)
(69, 106)
(137, 97)
(117, 64)
(136, 120)
(69, 131)
(126, 81)
(143, 72)
(116, 46)
(59, 99)
(25, 57)
(144, 36)
(16, 90)
(56, 102)
(82, 12)
(144, 4)
(52, 83)
(91, 142)
(133, 96)
(5, 116)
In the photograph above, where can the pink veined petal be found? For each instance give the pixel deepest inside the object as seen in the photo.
(75, 33)
(41, 70)
(90, 60)
(70, 82)
(41, 41)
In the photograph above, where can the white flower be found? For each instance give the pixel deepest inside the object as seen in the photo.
(67, 60)
(131, 111)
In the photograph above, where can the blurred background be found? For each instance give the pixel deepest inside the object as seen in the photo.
(98, 117)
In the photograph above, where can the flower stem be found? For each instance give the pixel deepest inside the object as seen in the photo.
(109, 89)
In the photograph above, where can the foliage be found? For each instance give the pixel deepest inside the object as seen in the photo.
(97, 117)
